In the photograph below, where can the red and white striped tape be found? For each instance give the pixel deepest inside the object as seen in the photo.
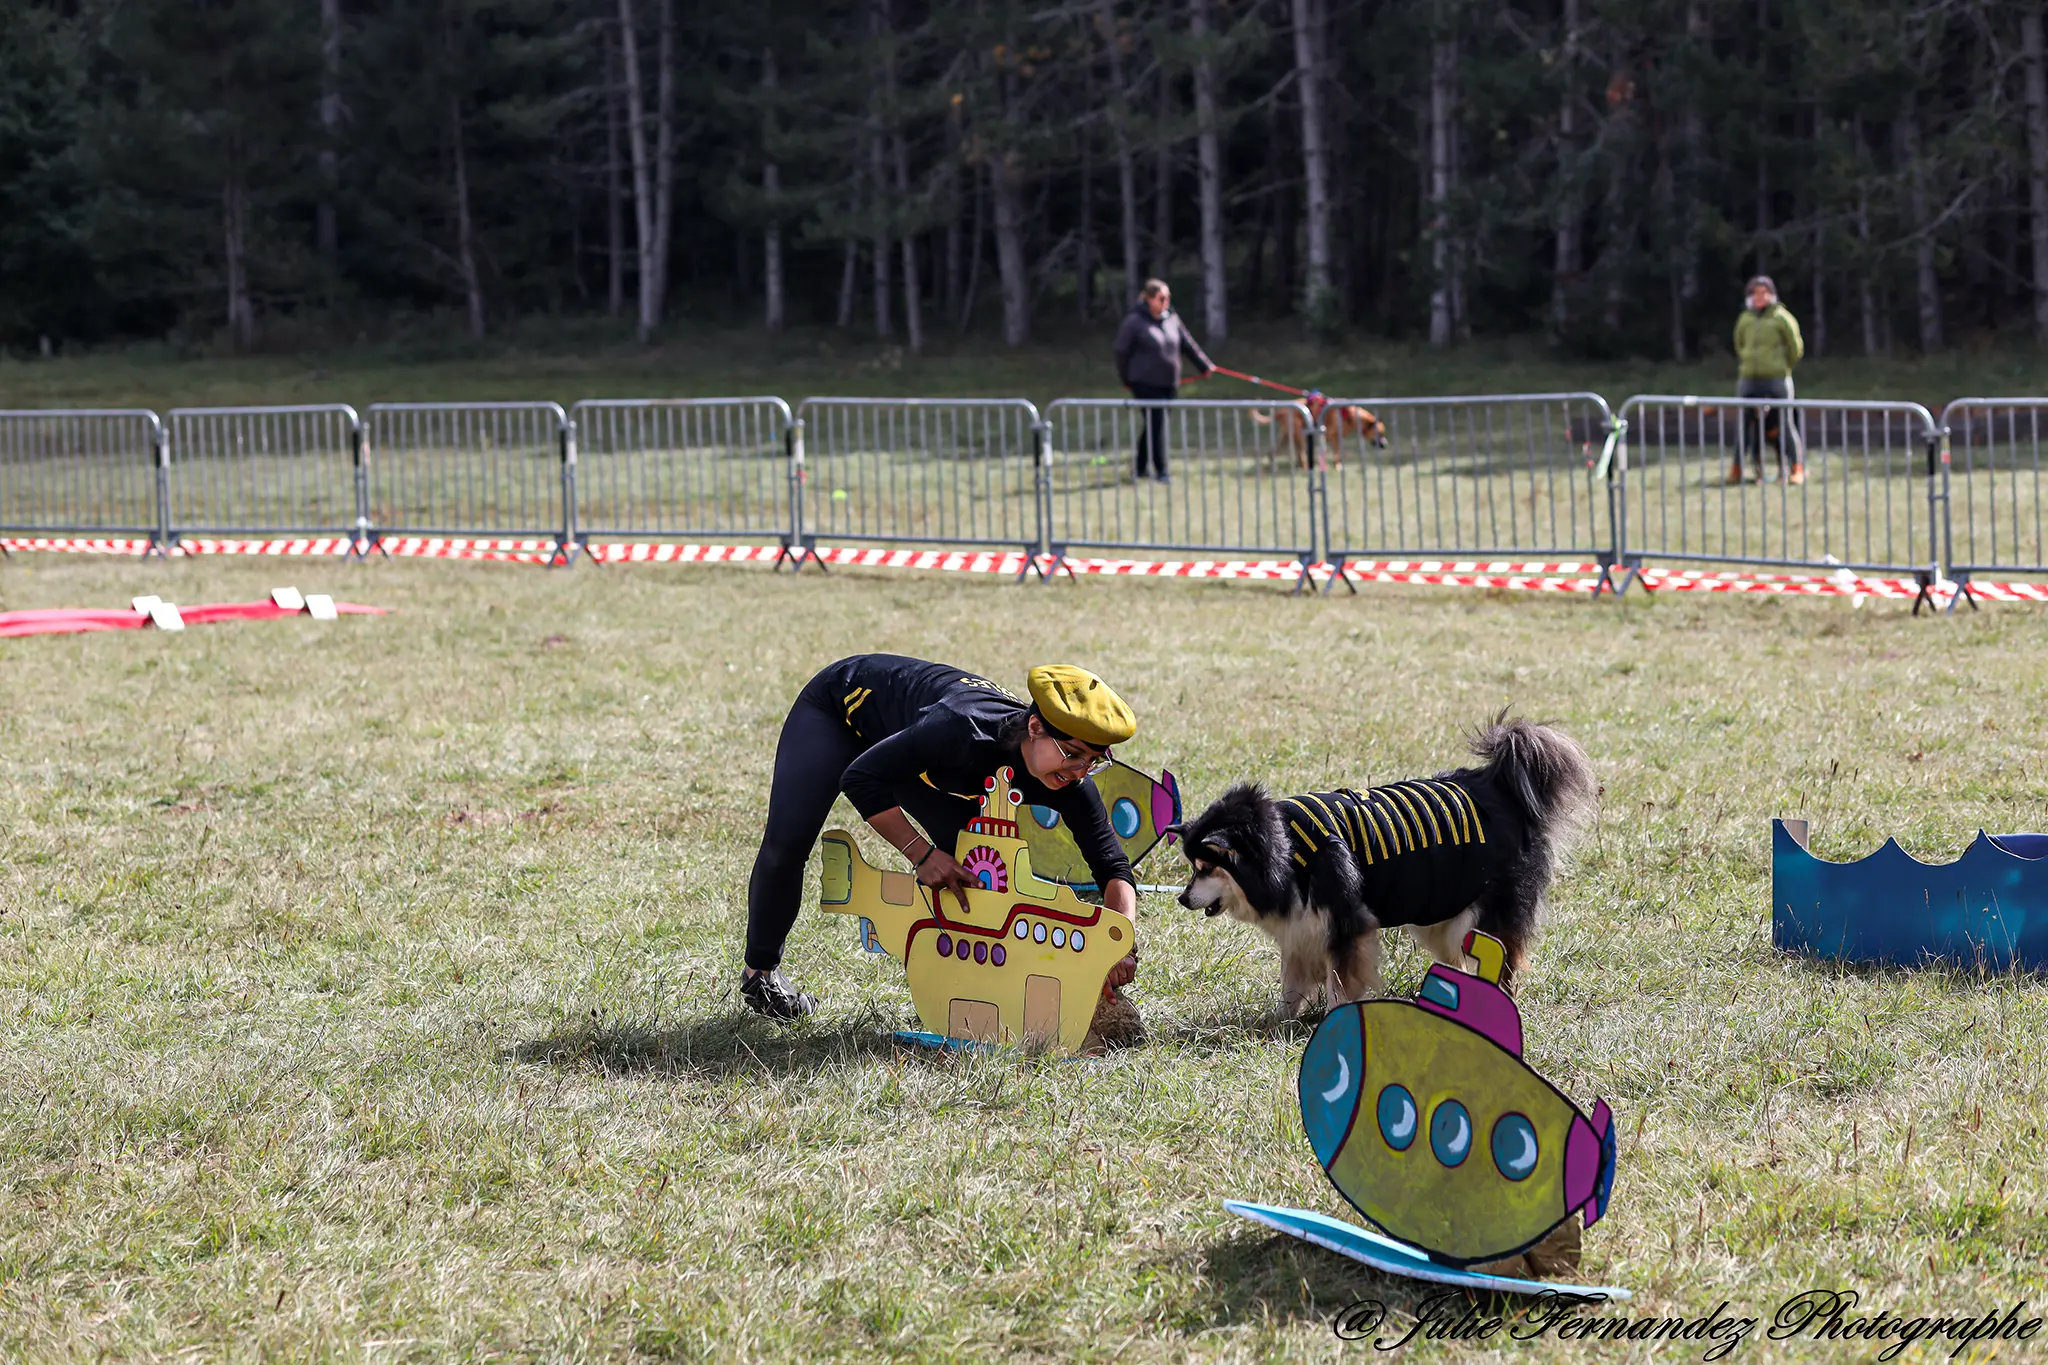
(1514, 575)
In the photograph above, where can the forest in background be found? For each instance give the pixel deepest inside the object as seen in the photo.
(260, 174)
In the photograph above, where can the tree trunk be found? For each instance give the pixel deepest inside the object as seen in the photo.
(2036, 78)
(955, 207)
(326, 229)
(975, 239)
(849, 275)
(771, 191)
(465, 235)
(1287, 244)
(1867, 268)
(614, 191)
(1162, 185)
(1315, 169)
(1443, 65)
(234, 203)
(665, 155)
(1084, 258)
(878, 181)
(1927, 286)
(1008, 196)
(1763, 215)
(643, 173)
(1255, 264)
(1209, 152)
(913, 315)
(1126, 161)
(1817, 333)
(1693, 134)
(1564, 265)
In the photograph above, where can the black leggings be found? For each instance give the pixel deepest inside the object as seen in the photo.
(810, 759)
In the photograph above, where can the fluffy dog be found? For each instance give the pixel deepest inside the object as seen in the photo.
(1323, 873)
(1337, 422)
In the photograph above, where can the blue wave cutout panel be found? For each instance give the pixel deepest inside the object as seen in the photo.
(1989, 906)
(1390, 1257)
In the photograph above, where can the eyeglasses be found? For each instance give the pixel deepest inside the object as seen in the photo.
(1090, 763)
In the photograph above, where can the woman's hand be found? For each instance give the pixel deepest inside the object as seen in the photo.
(942, 872)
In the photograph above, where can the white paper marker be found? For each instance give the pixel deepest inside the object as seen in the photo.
(321, 607)
(144, 605)
(164, 616)
(287, 599)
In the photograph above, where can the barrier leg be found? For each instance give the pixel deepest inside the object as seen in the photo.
(799, 553)
(1046, 563)
(1630, 573)
(1336, 566)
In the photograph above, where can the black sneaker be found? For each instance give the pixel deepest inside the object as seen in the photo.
(771, 994)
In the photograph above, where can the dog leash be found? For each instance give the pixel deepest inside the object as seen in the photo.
(1312, 397)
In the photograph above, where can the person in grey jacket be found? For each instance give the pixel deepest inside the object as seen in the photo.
(1148, 352)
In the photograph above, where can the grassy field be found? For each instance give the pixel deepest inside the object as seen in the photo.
(367, 989)
(565, 361)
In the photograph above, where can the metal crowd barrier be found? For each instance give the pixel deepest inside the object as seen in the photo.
(471, 469)
(83, 471)
(1236, 478)
(664, 468)
(1992, 448)
(1800, 483)
(1882, 486)
(267, 471)
(919, 471)
(1480, 476)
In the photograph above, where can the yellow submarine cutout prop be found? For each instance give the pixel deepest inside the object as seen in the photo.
(1025, 962)
(1428, 1121)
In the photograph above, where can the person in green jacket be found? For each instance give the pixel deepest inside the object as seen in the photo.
(1768, 345)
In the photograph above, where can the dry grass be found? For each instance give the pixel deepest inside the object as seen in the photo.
(367, 988)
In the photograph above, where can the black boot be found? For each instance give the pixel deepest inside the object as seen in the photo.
(771, 994)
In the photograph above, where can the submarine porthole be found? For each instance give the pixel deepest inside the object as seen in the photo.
(1038, 933)
(1076, 940)
(1046, 816)
(945, 945)
(1438, 991)
(1450, 1133)
(1059, 938)
(1397, 1118)
(1514, 1147)
(1124, 818)
(1023, 929)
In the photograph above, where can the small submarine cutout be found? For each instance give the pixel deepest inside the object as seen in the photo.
(1429, 1122)
(1141, 809)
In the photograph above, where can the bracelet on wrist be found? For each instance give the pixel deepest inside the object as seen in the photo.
(929, 849)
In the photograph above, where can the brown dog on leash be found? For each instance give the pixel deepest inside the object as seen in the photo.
(1337, 422)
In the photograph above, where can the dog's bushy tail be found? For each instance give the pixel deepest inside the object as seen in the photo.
(1545, 769)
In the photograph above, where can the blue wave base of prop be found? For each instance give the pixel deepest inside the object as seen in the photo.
(1988, 907)
(1397, 1258)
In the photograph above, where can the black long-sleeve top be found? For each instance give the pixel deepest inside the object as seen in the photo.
(935, 731)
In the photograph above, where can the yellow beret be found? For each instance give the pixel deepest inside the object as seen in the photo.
(1076, 702)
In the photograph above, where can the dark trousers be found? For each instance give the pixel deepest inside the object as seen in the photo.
(812, 756)
(1775, 428)
(1152, 428)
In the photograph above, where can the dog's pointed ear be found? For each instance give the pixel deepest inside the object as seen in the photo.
(1173, 831)
(1220, 842)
